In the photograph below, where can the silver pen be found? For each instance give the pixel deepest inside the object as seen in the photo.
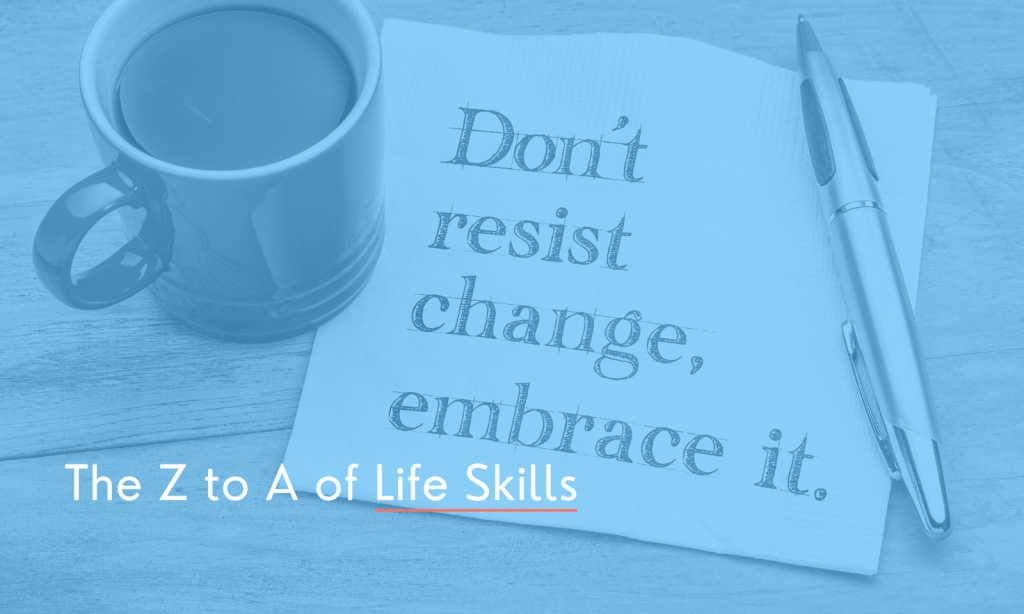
(881, 336)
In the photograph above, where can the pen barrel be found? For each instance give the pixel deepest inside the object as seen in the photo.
(884, 347)
(842, 161)
(882, 315)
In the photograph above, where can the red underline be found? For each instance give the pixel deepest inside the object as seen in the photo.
(491, 509)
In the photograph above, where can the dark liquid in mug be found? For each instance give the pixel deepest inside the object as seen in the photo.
(233, 89)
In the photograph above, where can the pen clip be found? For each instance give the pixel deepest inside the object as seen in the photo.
(867, 397)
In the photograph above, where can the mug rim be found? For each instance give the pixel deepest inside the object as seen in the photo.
(91, 99)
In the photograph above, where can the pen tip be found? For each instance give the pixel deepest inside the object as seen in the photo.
(921, 469)
(800, 19)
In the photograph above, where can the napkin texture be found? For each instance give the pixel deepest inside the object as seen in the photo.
(726, 241)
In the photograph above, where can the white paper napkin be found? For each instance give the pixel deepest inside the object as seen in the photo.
(719, 234)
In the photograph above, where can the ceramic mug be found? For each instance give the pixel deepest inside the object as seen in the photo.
(253, 254)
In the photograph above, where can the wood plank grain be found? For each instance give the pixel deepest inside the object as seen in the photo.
(199, 555)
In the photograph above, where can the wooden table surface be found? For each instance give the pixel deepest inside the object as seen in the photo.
(129, 388)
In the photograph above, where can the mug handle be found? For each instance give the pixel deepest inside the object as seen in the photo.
(130, 269)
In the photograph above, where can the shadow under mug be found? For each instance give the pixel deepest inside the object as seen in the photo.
(248, 255)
